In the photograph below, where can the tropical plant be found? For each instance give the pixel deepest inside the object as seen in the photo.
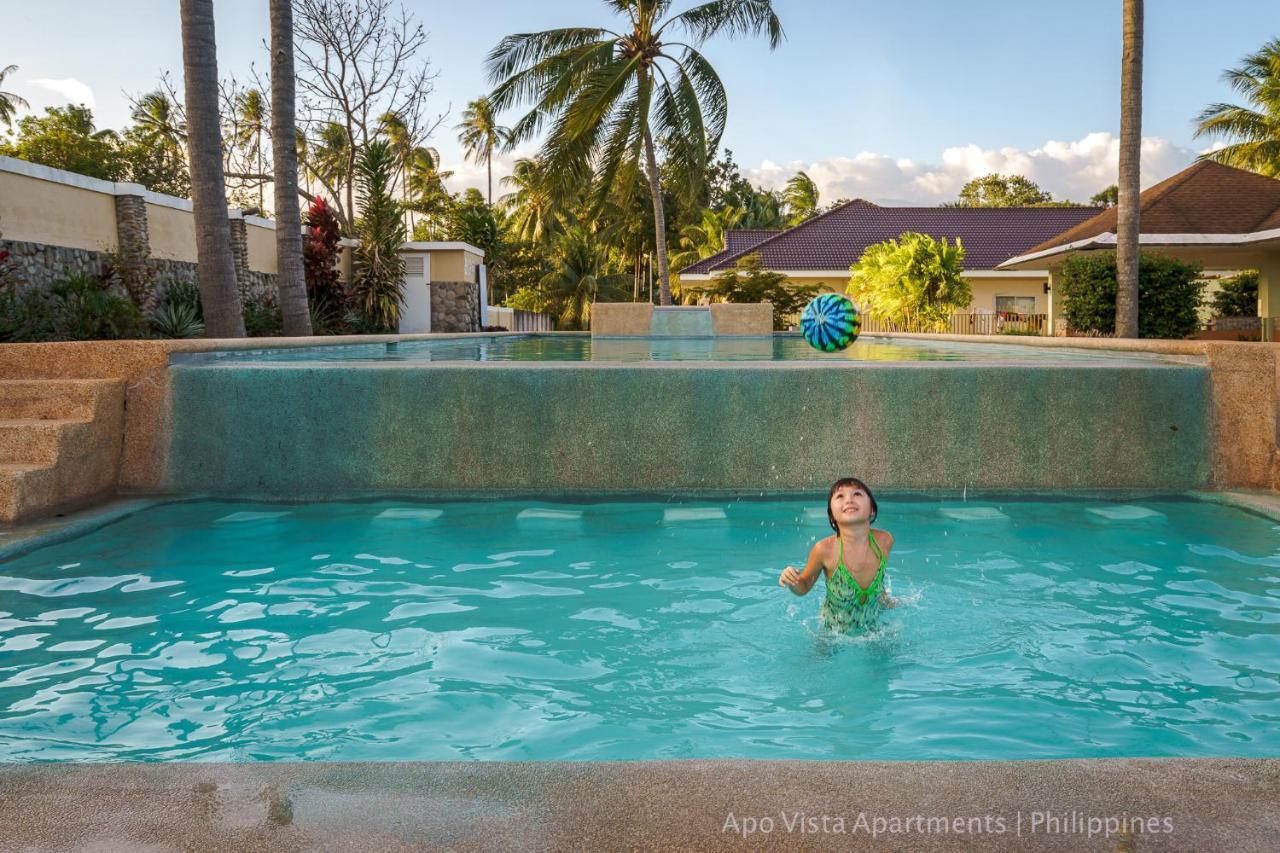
(1236, 296)
(158, 123)
(9, 102)
(581, 278)
(1257, 129)
(329, 300)
(84, 308)
(24, 315)
(706, 237)
(539, 207)
(615, 97)
(1128, 201)
(215, 266)
(480, 135)
(291, 282)
(1169, 293)
(425, 192)
(749, 281)
(801, 196)
(914, 281)
(378, 279)
(176, 320)
(262, 317)
(251, 126)
(1106, 197)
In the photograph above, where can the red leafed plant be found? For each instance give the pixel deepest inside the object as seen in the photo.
(320, 252)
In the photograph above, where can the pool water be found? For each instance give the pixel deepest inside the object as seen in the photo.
(580, 348)
(521, 630)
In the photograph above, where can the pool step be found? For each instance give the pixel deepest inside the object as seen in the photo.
(60, 442)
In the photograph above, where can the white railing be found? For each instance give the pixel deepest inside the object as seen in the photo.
(516, 320)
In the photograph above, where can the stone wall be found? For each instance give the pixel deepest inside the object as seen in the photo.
(455, 306)
(40, 266)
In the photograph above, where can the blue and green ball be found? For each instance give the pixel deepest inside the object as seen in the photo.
(830, 322)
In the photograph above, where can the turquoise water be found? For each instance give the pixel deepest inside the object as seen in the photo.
(399, 630)
(576, 348)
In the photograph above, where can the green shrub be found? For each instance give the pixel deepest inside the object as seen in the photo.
(749, 281)
(24, 315)
(1168, 295)
(1238, 296)
(914, 281)
(262, 317)
(84, 308)
(176, 320)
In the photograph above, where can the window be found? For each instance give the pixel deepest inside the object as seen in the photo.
(1015, 304)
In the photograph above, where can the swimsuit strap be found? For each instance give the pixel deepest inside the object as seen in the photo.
(879, 571)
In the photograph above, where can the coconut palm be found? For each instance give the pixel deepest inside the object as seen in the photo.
(1127, 214)
(538, 206)
(9, 102)
(619, 96)
(156, 118)
(425, 191)
(1257, 80)
(705, 238)
(801, 196)
(581, 277)
(216, 268)
(251, 109)
(290, 272)
(480, 134)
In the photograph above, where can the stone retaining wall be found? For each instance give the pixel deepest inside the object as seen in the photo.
(455, 306)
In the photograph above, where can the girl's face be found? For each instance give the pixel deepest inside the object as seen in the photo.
(850, 505)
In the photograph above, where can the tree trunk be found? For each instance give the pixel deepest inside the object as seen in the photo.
(216, 268)
(290, 272)
(659, 220)
(1128, 226)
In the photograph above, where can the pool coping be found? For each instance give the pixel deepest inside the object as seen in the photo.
(1209, 804)
(17, 540)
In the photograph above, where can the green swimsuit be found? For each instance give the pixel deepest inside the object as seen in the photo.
(847, 605)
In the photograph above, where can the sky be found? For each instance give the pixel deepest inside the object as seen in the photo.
(898, 103)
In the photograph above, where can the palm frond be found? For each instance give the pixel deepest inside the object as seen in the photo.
(733, 19)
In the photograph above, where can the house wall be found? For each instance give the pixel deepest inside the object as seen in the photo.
(985, 290)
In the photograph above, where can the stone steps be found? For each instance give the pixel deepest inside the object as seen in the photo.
(60, 443)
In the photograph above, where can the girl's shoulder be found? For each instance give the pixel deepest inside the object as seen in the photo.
(883, 538)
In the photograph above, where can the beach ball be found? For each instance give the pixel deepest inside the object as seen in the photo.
(829, 322)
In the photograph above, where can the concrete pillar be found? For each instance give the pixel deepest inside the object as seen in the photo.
(240, 249)
(1269, 294)
(1054, 322)
(134, 244)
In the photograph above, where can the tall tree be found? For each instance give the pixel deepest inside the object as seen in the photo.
(290, 271)
(9, 102)
(801, 196)
(65, 138)
(996, 190)
(425, 192)
(216, 268)
(1106, 197)
(1127, 209)
(480, 134)
(616, 97)
(1256, 132)
(251, 126)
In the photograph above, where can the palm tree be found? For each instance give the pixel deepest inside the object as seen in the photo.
(1127, 212)
(538, 206)
(425, 191)
(1258, 81)
(480, 134)
(704, 239)
(9, 102)
(290, 273)
(156, 118)
(581, 276)
(216, 268)
(252, 125)
(615, 96)
(801, 196)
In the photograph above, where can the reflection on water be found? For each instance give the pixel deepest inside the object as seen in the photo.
(392, 631)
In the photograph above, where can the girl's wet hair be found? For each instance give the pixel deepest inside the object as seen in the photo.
(840, 484)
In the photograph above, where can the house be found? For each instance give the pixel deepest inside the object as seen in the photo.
(1224, 219)
(821, 250)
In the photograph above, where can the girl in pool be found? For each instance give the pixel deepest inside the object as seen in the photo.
(852, 560)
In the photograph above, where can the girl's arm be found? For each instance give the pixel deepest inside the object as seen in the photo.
(886, 545)
(800, 582)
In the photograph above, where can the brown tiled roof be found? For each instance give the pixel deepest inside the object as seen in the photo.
(735, 240)
(836, 239)
(1207, 198)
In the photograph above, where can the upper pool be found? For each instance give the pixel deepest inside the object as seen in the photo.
(584, 348)
(393, 630)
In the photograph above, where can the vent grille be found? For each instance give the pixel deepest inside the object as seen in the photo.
(414, 266)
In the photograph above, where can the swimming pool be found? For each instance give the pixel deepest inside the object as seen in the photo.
(627, 629)
(584, 348)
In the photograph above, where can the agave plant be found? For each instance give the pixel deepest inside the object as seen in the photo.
(176, 320)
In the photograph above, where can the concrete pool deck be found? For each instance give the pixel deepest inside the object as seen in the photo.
(1185, 804)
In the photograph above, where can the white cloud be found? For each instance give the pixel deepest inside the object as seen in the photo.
(468, 175)
(71, 89)
(1072, 170)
